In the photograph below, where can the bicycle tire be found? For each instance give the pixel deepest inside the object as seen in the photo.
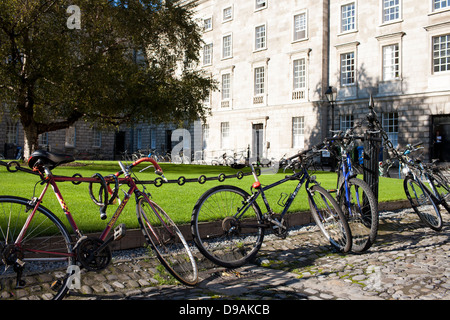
(167, 241)
(45, 233)
(362, 215)
(442, 187)
(423, 204)
(329, 218)
(219, 236)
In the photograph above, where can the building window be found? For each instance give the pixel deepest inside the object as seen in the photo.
(259, 81)
(71, 134)
(225, 134)
(12, 132)
(346, 122)
(43, 139)
(391, 10)
(227, 47)
(300, 25)
(205, 135)
(139, 138)
(348, 17)
(260, 4)
(390, 125)
(299, 79)
(298, 132)
(260, 37)
(441, 4)
(97, 138)
(348, 68)
(207, 24)
(441, 53)
(153, 138)
(226, 86)
(227, 14)
(391, 62)
(207, 54)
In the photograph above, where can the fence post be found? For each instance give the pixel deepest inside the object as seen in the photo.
(372, 143)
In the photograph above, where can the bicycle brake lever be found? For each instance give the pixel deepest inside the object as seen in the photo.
(161, 174)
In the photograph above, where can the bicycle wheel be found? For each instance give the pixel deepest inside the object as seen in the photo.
(442, 187)
(361, 210)
(226, 229)
(422, 203)
(167, 241)
(45, 250)
(329, 218)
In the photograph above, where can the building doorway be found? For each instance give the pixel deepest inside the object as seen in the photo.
(257, 141)
(119, 144)
(440, 138)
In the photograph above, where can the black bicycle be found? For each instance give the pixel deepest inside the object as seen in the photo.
(237, 234)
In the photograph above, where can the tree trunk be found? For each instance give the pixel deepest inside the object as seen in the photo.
(30, 140)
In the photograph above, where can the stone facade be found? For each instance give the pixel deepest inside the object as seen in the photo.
(361, 48)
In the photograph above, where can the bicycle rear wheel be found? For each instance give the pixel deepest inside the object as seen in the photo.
(226, 229)
(361, 210)
(422, 203)
(167, 241)
(329, 218)
(442, 186)
(45, 250)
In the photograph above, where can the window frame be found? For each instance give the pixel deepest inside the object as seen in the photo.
(355, 17)
(230, 49)
(298, 132)
(294, 25)
(264, 38)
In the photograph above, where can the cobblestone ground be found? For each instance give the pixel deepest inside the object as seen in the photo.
(408, 261)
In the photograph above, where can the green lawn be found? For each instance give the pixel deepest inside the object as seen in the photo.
(177, 200)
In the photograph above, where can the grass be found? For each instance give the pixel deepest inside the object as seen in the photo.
(177, 200)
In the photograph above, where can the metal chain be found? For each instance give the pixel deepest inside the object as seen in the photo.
(158, 182)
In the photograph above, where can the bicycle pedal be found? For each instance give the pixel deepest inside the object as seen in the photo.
(119, 232)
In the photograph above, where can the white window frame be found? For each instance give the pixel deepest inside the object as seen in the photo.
(344, 73)
(207, 27)
(304, 14)
(71, 137)
(225, 139)
(391, 62)
(12, 132)
(346, 122)
(259, 81)
(260, 40)
(299, 76)
(343, 19)
(227, 18)
(445, 57)
(227, 51)
(390, 124)
(260, 4)
(443, 5)
(298, 132)
(383, 14)
(96, 138)
(208, 52)
(226, 86)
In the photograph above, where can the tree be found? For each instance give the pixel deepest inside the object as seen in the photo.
(110, 62)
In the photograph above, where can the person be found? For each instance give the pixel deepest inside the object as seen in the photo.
(438, 145)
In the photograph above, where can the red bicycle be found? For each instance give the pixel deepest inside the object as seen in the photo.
(33, 239)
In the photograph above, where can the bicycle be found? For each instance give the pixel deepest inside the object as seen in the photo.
(32, 238)
(423, 202)
(354, 195)
(239, 224)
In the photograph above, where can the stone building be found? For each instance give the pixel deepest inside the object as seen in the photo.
(274, 60)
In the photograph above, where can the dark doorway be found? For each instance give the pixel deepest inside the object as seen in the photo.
(440, 138)
(258, 141)
(119, 144)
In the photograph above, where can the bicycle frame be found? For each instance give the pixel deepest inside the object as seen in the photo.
(52, 181)
(302, 177)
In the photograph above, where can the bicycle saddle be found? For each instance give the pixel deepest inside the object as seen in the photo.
(48, 159)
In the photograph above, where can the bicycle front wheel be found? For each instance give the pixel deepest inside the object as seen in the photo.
(359, 205)
(43, 255)
(226, 228)
(167, 241)
(329, 218)
(422, 203)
